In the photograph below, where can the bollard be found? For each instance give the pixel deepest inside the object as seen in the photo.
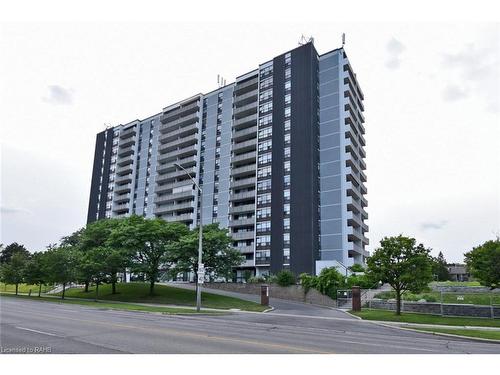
(356, 298)
(264, 295)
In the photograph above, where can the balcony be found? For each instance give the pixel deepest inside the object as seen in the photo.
(174, 175)
(249, 235)
(172, 197)
(244, 158)
(263, 261)
(244, 134)
(243, 88)
(178, 153)
(125, 160)
(178, 143)
(245, 208)
(245, 146)
(125, 151)
(122, 188)
(355, 206)
(243, 183)
(127, 133)
(181, 218)
(245, 249)
(247, 98)
(124, 170)
(121, 208)
(242, 222)
(123, 179)
(246, 195)
(121, 198)
(179, 133)
(127, 142)
(246, 110)
(245, 121)
(246, 170)
(169, 126)
(160, 210)
(179, 111)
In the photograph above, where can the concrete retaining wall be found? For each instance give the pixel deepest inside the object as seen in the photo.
(290, 293)
(435, 308)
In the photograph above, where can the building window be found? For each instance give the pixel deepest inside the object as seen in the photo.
(264, 172)
(286, 195)
(263, 226)
(266, 145)
(286, 180)
(265, 158)
(287, 166)
(263, 241)
(264, 185)
(266, 132)
(264, 199)
(286, 239)
(286, 224)
(286, 209)
(264, 212)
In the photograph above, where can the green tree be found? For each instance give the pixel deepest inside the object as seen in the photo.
(328, 281)
(95, 264)
(34, 273)
(483, 262)
(402, 264)
(59, 265)
(95, 235)
(440, 268)
(357, 268)
(285, 278)
(9, 250)
(12, 272)
(219, 257)
(147, 241)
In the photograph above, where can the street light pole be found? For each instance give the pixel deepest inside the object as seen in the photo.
(200, 241)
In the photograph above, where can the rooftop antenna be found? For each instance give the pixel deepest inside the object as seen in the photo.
(343, 39)
(303, 40)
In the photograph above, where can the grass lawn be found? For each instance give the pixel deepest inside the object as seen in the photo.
(24, 288)
(390, 316)
(108, 305)
(456, 283)
(492, 335)
(139, 292)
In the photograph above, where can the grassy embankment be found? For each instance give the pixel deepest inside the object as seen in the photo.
(105, 305)
(139, 292)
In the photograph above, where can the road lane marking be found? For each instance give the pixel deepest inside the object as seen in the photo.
(191, 335)
(37, 331)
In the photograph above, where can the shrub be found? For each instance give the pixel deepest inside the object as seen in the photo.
(256, 279)
(329, 281)
(357, 268)
(307, 281)
(285, 278)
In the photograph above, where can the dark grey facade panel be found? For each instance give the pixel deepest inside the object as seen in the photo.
(96, 176)
(304, 199)
(277, 164)
(105, 174)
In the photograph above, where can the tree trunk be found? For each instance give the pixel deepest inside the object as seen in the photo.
(124, 275)
(398, 302)
(64, 290)
(86, 286)
(113, 287)
(39, 289)
(17, 286)
(96, 290)
(151, 287)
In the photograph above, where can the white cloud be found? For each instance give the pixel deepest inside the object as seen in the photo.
(433, 225)
(394, 50)
(59, 95)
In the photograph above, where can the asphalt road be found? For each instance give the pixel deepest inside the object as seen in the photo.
(79, 329)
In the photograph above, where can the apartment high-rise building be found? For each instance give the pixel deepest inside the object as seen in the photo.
(279, 155)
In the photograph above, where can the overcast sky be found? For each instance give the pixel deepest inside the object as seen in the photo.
(431, 99)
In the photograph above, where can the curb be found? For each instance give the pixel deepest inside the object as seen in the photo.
(352, 315)
(492, 341)
(271, 308)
